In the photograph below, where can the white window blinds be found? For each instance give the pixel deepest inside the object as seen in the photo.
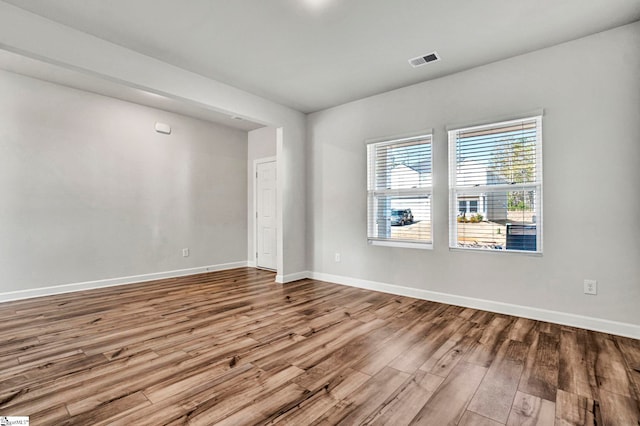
(399, 192)
(495, 184)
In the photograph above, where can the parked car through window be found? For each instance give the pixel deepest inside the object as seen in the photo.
(401, 217)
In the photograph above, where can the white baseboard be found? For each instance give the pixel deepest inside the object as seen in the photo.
(580, 321)
(589, 323)
(251, 264)
(88, 285)
(283, 279)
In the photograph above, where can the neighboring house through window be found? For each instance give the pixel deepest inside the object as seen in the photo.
(495, 183)
(399, 191)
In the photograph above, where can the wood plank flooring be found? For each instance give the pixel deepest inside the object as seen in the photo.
(234, 348)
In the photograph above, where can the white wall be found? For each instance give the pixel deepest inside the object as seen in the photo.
(262, 144)
(36, 37)
(590, 92)
(90, 191)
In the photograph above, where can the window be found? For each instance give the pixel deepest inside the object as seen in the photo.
(495, 183)
(399, 192)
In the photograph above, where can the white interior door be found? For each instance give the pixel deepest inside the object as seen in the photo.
(266, 240)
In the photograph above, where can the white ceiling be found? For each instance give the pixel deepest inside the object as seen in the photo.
(314, 54)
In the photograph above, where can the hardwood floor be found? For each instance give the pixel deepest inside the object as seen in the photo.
(234, 348)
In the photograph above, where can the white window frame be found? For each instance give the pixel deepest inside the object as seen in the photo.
(372, 193)
(454, 190)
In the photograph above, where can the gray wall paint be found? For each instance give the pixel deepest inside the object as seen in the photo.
(90, 191)
(37, 37)
(590, 91)
(261, 144)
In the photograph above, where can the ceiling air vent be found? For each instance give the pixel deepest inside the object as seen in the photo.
(425, 59)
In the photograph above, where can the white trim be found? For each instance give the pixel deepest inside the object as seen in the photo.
(251, 264)
(403, 137)
(400, 244)
(283, 279)
(539, 178)
(280, 190)
(89, 285)
(501, 119)
(504, 252)
(574, 320)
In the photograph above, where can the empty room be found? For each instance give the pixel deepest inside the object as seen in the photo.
(320, 212)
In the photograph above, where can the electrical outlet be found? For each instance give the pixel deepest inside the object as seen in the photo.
(185, 252)
(336, 257)
(590, 287)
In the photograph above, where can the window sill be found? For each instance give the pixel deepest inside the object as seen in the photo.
(510, 252)
(401, 244)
